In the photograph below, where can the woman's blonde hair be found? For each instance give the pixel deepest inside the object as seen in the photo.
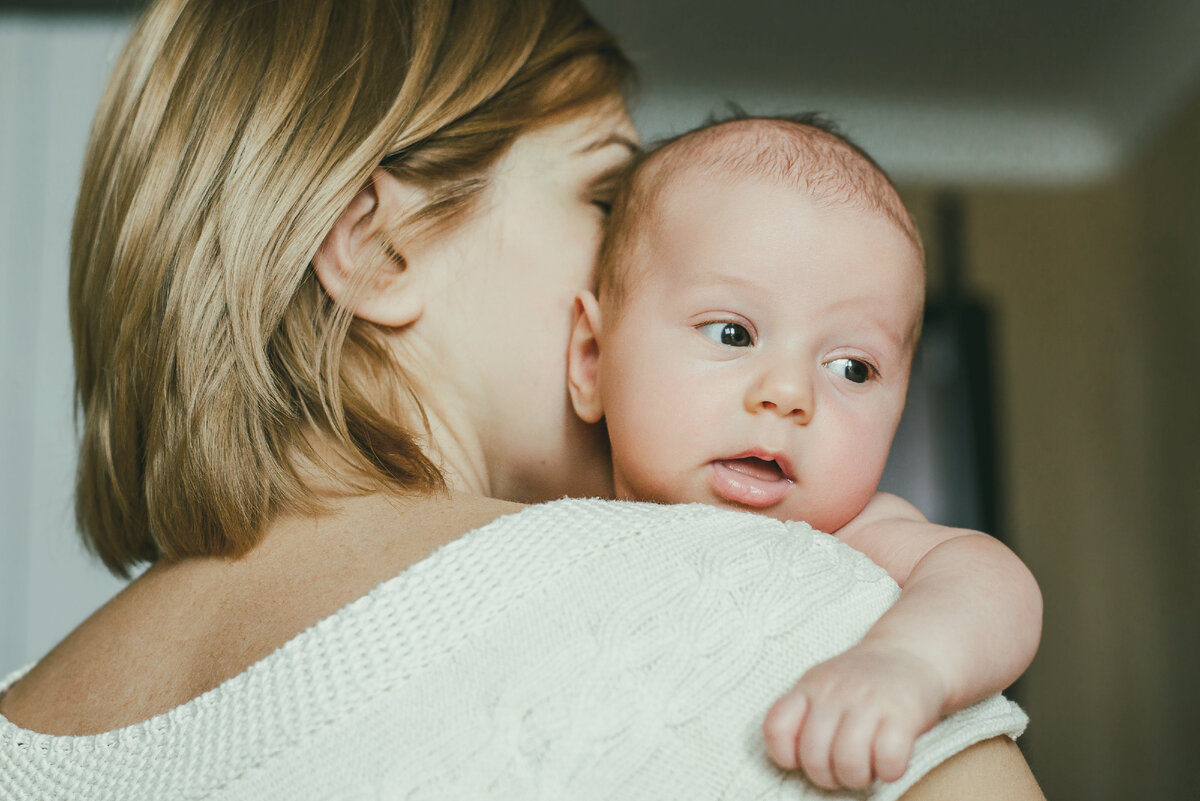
(230, 138)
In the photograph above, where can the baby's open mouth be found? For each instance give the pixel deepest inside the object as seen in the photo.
(761, 469)
(750, 480)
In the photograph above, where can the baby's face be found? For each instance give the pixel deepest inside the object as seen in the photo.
(761, 360)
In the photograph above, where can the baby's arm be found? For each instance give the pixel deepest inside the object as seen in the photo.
(966, 625)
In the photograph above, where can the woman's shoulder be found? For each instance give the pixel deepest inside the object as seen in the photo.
(541, 551)
(534, 604)
(602, 552)
(566, 530)
(561, 643)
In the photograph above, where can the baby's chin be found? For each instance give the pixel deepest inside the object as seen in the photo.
(828, 520)
(786, 513)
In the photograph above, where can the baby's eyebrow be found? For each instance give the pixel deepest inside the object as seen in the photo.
(730, 279)
(898, 342)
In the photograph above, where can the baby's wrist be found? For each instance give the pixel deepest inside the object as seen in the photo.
(943, 687)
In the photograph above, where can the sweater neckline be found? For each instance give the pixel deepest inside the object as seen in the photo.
(332, 627)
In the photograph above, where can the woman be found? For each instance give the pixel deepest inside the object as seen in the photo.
(322, 267)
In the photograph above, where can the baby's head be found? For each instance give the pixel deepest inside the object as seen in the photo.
(760, 297)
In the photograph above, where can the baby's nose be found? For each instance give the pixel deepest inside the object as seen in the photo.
(787, 393)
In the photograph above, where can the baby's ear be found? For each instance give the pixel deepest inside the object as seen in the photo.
(583, 359)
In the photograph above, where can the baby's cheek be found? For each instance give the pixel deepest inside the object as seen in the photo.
(657, 451)
(642, 460)
(850, 486)
(836, 510)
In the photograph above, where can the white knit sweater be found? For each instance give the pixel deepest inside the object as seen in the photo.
(575, 650)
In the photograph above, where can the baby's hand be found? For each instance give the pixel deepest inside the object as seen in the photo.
(854, 718)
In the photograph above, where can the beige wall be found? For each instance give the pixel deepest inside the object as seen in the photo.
(1096, 293)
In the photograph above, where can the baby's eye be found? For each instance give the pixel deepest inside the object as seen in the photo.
(604, 206)
(732, 334)
(852, 369)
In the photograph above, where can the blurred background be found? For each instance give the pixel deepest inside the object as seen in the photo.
(1050, 152)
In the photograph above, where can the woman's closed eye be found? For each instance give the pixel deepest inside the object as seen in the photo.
(854, 370)
(735, 335)
(603, 190)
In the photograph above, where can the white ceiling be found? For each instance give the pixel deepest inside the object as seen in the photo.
(1016, 91)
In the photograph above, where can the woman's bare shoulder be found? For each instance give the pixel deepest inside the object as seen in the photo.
(181, 629)
(992, 769)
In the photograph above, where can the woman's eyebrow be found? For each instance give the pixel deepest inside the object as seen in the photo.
(607, 141)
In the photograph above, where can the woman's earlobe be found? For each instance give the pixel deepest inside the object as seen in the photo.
(583, 359)
(359, 266)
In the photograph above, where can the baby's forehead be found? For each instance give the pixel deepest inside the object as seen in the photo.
(712, 219)
(813, 162)
(716, 225)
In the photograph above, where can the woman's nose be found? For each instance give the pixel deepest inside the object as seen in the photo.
(785, 390)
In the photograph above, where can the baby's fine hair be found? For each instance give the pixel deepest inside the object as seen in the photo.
(804, 151)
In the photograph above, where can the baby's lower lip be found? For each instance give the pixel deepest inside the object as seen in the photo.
(749, 481)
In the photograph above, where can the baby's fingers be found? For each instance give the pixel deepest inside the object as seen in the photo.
(781, 729)
(893, 749)
(852, 750)
(815, 749)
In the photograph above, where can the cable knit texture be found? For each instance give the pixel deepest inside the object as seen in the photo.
(574, 650)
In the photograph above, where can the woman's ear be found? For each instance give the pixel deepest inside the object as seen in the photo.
(394, 294)
(583, 359)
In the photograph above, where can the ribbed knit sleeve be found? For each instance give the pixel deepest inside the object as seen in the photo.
(574, 650)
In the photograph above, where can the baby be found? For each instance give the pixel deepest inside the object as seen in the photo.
(759, 300)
